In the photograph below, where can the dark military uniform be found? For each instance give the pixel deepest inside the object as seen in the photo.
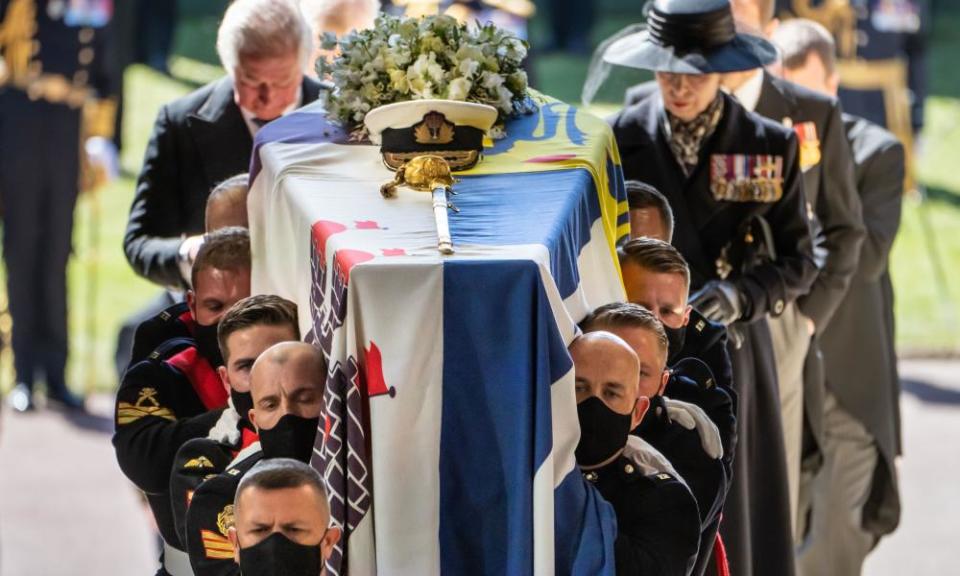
(171, 397)
(55, 90)
(174, 322)
(706, 341)
(211, 513)
(203, 458)
(658, 527)
(708, 478)
(763, 157)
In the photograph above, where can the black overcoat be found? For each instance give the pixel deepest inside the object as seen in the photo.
(198, 141)
(756, 525)
(858, 345)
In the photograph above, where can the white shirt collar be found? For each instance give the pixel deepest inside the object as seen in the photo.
(248, 117)
(748, 94)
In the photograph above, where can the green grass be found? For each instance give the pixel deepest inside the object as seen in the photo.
(924, 260)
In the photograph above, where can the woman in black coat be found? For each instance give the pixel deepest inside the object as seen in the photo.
(734, 183)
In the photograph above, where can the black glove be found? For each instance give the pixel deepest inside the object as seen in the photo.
(719, 301)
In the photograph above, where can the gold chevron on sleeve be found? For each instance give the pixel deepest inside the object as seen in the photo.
(146, 405)
(216, 546)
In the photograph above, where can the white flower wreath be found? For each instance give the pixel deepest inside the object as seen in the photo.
(403, 59)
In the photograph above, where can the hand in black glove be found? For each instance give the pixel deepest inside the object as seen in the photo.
(719, 301)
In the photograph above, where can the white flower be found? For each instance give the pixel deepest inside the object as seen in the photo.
(426, 68)
(468, 67)
(459, 89)
(491, 81)
(434, 56)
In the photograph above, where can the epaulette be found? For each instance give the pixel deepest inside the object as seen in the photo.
(695, 371)
(707, 332)
(170, 348)
(173, 322)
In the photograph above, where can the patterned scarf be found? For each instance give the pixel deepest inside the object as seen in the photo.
(686, 138)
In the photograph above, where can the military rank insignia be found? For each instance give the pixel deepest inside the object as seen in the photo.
(809, 144)
(146, 405)
(217, 546)
(199, 463)
(746, 178)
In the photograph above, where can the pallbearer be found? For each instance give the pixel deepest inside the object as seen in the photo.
(733, 181)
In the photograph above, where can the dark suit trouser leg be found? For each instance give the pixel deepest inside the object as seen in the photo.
(756, 525)
(38, 181)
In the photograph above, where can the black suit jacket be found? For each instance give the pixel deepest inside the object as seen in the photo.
(704, 225)
(830, 189)
(198, 141)
(858, 346)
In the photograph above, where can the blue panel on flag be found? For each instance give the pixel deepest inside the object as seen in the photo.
(502, 353)
(585, 528)
(555, 209)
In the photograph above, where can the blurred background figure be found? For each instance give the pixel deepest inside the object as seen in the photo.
(156, 23)
(882, 58)
(337, 17)
(55, 95)
(571, 22)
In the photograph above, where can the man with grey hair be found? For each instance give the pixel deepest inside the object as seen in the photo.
(282, 521)
(854, 500)
(206, 137)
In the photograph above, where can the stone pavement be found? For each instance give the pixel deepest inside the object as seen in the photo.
(926, 541)
(65, 508)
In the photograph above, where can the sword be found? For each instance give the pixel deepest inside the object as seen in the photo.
(441, 203)
(428, 174)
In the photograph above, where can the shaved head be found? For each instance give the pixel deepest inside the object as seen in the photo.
(287, 378)
(284, 354)
(605, 349)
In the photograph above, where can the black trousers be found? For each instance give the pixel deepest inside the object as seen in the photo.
(756, 526)
(39, 169)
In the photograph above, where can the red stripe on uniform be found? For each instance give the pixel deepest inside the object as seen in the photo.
(204, 379)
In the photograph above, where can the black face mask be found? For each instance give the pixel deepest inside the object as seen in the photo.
(602, 431)
(278, 554)
(291, 437)
(207, 343)
(242, 403)
(675, 339)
